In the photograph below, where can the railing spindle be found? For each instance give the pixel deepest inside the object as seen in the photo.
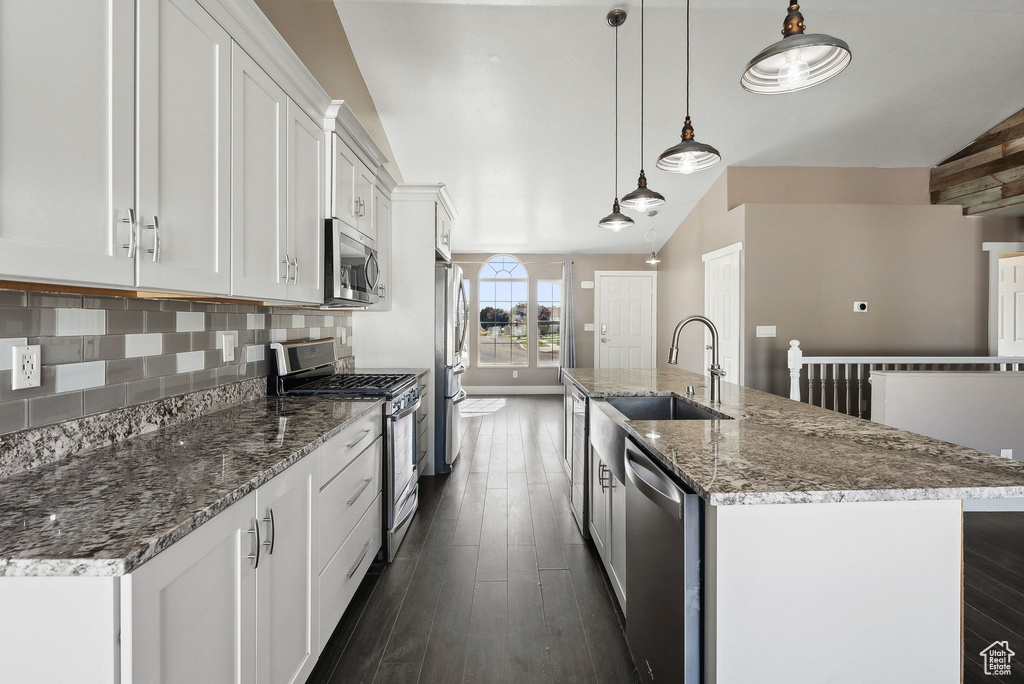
(846, 375)
(810, 383)
(824, 372)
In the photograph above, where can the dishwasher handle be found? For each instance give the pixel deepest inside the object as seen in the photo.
(652, 483)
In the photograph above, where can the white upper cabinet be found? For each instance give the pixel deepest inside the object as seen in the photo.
(344, 170)
(443, 232)
(261, 266)
(365, 182)
(305, 238)
(382, 230)
(66, 140)
(184, 124)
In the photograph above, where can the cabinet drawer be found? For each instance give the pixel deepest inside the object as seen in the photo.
(341, 577)
(345, 498)
(343, 448)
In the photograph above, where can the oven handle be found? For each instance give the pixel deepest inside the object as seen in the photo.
(398, 523)
(376, 271)
(406, 412)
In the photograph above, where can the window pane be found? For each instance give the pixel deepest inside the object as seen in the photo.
(543, 291)
(503, 291)
(486, 291)
(519, 292)
(504, 313)
(548, 311)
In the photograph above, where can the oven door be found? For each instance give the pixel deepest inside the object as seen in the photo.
(352, 269)
(402, 491)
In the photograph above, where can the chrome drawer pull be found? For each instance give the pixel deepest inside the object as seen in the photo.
(355, 497)
(155, 227)
(272, 531)
(255, 557)
(358, 439)
(366, 547)
(133, 233)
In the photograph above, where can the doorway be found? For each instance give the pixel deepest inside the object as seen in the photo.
(625, 314)
(722, 306)
(1005, 298)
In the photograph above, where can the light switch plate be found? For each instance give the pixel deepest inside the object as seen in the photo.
(515, 374)
(1006, 453)
(766, 331)
(228, 341)
(588, 327)
(587, 285)
(24, 366)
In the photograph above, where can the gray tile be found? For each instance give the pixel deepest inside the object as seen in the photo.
(246, 337)
(125, 370)
(216, 321)
(174, 385)
(27, 322)
(54, 350)
(204, 379)
(102, 347)
(143, 304)
(237, 321)
(54, 408)
(121, 322)
(140, 391)
(226, 374)
(202, 306)
(100, 399)
(46, 299)
(12, 298)
(203, 340)
(175, 305)
(47, 385)
(214, 358)
(226, 308)
(261, 368)
(158, 366)
(161, 321)
(108, 303)
(177, 342)
(13, 415)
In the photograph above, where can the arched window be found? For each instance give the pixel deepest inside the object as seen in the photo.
(503, 320)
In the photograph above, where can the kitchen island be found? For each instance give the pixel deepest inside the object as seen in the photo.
(830, 547)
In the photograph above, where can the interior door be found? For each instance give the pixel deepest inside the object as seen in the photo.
(67, 176)
(305, 199)
(722, 306)
(260, 266)
(1011, 306)
(184, 175)
(625, 321)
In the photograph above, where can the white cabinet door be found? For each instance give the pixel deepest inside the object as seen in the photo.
(599, 502)
(184, 119)
(382, 220)
(67, 71)
(193, 607)
(442, 232)
(617, 537)
(259, 261)
(305, 206)
(365, 183)
(343, 191)
(288, 594)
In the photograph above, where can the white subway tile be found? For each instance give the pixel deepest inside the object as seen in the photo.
(254, 352)
(77, 376)
(6, 355)
(314, 333)
(81, 322)
(298, 321)
(143, 344)
(255, 321)
(191, 321)
(191, 361)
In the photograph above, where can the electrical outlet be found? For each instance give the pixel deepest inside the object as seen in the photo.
(860, 307)
(588, 327)
(1006, 453)
(24, 366)
(228, 341)
(515, 374)
(766, 331)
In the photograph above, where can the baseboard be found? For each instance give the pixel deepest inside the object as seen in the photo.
(473, 390)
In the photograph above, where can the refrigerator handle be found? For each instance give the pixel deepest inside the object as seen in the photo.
(465, 323)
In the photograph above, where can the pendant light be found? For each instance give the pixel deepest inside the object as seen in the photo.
(616, 220)
(651, 235)
(800, 60)
(642, 198)
(689, 155)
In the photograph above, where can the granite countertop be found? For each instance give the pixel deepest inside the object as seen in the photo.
(107, 511)
(782, 451)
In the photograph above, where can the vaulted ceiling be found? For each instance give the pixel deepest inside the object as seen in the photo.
(511, 103)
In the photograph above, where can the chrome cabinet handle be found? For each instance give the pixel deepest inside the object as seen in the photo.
(602, 470)
(287, 269)
(382, 291)
(133, 233)
(155, 227)
(358, 439)
(295, 278)
(255, 557)
(355, 496)
(366, 547)
(271, 531)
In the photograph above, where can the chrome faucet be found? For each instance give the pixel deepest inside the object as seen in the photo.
(715, 371)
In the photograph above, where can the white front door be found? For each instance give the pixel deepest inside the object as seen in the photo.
(1011, 306)
(626, 304)
(722, 306)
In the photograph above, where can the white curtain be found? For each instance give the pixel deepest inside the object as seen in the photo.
(567, 324)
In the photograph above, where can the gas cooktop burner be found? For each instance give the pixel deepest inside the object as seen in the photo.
(354, 383)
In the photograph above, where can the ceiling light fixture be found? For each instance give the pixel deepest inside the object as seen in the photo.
(643, 198)
(651, 235)
(689, 155)
(616, 220)
(800, 60)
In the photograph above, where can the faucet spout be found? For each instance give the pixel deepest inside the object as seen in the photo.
(715, 370)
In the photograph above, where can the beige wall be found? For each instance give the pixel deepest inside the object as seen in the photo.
(872, 236)
(314, 31)
(547, 267)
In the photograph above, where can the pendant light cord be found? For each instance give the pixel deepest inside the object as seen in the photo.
(616, 113)
(687, 58)
(642, 85)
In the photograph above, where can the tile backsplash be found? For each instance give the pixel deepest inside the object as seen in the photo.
(103, 353)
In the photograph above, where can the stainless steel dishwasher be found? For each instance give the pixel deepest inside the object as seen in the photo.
(663, 573)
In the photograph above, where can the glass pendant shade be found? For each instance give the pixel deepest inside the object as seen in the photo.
(643, 198)
(689, 155)
(798, 61)
(616, 220)
(653, 259)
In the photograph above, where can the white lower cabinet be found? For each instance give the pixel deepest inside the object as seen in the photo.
(608, 523)
(599, 504)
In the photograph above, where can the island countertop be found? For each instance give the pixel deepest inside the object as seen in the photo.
(776, 450)
(107, 511)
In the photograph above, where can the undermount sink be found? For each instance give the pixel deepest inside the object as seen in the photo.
(659, 408)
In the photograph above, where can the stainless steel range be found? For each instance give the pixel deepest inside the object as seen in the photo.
(307, 367)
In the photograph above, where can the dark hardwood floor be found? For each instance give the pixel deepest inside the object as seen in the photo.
(494, 582)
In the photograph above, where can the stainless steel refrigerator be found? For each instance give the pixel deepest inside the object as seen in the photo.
(451, 326)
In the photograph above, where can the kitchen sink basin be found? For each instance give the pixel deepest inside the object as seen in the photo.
(659, 408)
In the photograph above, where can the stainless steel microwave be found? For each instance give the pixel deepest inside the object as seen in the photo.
(352, 271)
